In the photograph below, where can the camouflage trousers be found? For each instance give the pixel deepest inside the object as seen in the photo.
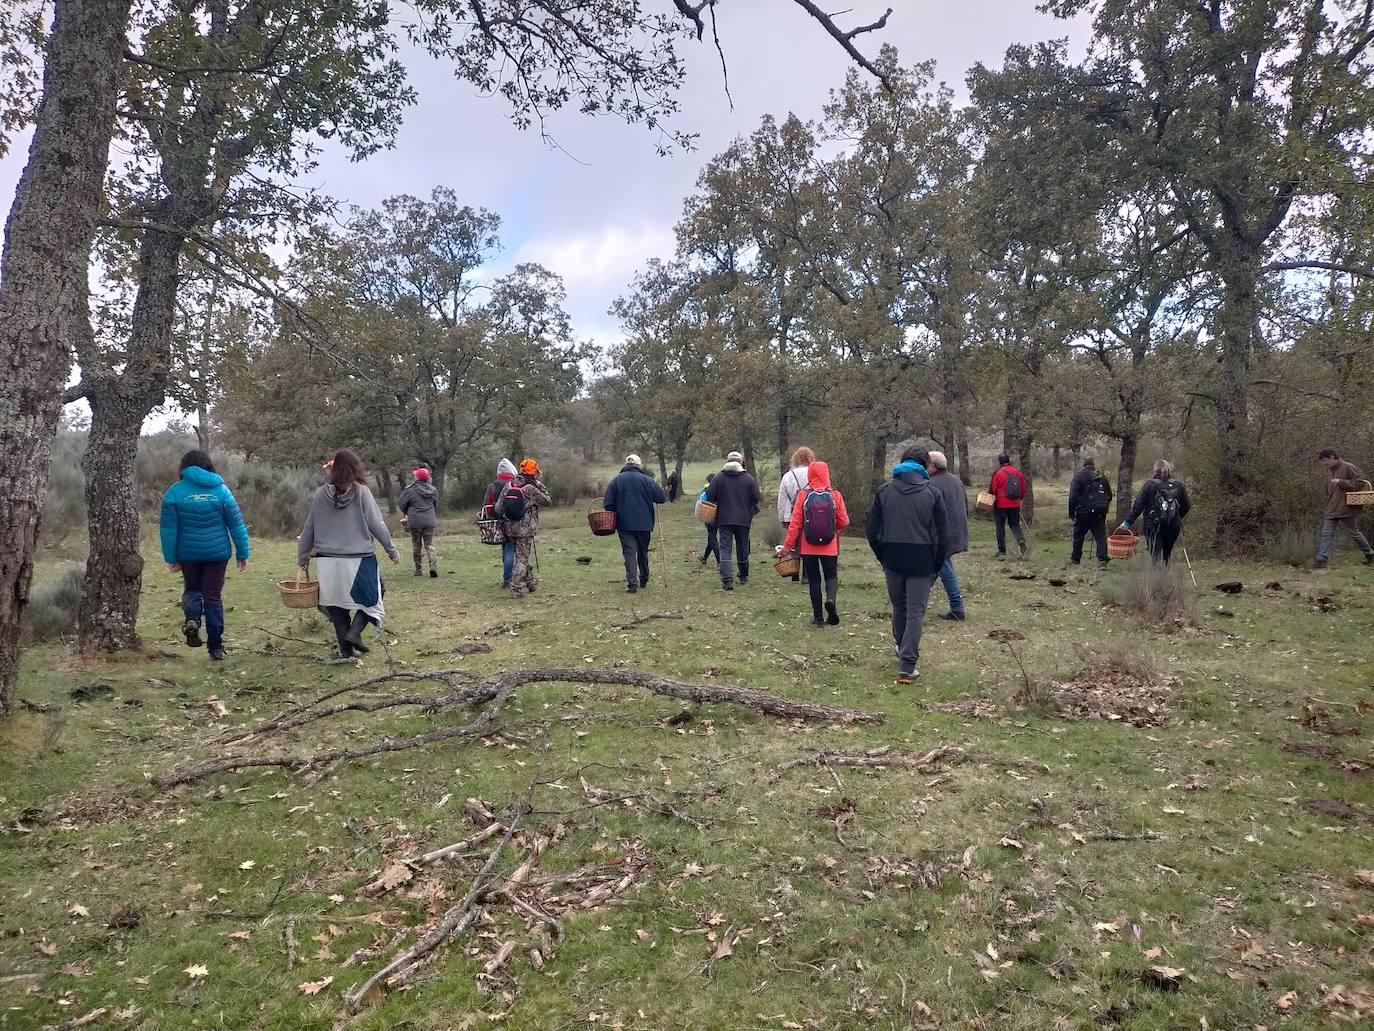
(522, 578)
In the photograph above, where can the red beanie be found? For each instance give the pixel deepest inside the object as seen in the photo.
(421, 474)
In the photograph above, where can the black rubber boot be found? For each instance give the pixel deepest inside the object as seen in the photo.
(354, 637)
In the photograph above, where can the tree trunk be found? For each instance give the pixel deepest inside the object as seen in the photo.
(784, 437)
(878, 472)
(388, 490)
(1058, 461)
(1125, 472)
(662, 467)
(965, 466)
(1236, 324)
(44, 292)
(438, 473)
(747, 447)
(108, 616)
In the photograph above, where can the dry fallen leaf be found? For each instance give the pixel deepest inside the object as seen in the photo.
(314, 987)
(89, 1018)
(392, 875)
(240, 936)
(723, 948)
(1363, 879)
(1154, 953)
(47, 948)
(197, 970)
(1285, 1001)
(78, 911)
(216, 706)
(248, 864)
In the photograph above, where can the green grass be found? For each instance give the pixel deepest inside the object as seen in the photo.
(1244, 888)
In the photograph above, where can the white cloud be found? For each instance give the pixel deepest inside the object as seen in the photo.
(599, 263)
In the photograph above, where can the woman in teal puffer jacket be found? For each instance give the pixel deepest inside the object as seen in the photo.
(199, 519)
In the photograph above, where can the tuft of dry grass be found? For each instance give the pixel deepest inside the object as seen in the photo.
(1155, 594)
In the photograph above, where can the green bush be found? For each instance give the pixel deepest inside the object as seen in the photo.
(569, 481)
(53, 606)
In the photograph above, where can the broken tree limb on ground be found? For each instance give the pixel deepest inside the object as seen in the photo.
(494, 693)
(887, 757)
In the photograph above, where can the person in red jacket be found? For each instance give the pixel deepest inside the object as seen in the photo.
(818, 516)
(1009, 487)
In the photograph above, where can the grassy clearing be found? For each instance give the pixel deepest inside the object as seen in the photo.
(1197, 846)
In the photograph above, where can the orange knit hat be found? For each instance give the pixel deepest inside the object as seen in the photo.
(529, 467)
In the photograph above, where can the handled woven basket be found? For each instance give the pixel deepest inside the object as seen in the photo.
(1122, 544)
(706, 512)
(601, 521)
(986, 502)
(299, 594)
(788, 565)
(1358, 498)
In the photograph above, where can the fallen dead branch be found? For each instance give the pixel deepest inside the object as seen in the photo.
(453, 922)
(494, 694)
(649, 617)
(1039, 817)
(886, 757)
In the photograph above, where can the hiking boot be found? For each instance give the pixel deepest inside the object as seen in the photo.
(817, 622)
(419, 571)
(1022, 546)
(953, 617)
(631, 589)
(644, 583)
(192, 631)
(1369, 560)
(832, 614)
(727, 587)
(1001, 556)
(217, 654)
(1321, 563)
(434, 574)
(354, 637)
(909, 678)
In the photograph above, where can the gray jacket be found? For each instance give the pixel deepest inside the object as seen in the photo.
(792, 484)
(343, 524)
(419, 503)
(956, 510)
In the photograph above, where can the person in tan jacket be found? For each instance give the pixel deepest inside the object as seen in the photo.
(1340, 479)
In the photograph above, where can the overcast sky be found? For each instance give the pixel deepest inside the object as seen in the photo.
(596, 210)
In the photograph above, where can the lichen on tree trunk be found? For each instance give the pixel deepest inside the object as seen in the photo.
(44, 292)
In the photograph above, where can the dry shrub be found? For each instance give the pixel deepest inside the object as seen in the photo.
(1154, 593)
(1117, 683)
(53, 605)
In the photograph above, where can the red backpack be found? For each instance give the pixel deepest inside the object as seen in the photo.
(818, 517)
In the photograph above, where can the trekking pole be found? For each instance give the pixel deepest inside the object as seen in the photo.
(663, 552)
(1190, 567)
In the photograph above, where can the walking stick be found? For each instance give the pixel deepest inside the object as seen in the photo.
(663, 552)
(1190, 567)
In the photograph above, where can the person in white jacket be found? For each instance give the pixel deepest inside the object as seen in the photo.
(792, 484)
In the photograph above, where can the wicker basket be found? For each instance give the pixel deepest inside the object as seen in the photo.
(489, 531)
(706, 512)
(986, 502)
(788, 565)
(601, 521)
(1360, 497)
(299, 594)
(1122, 544)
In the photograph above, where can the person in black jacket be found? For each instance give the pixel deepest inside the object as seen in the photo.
(1164, 502)
(1090, 495)
(632, 496)
(908, 530)
(736, 496)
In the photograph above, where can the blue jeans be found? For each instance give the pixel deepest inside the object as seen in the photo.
(1328, 536)
(507, 560)
(950, 579)
(733, 542)
(203, 597)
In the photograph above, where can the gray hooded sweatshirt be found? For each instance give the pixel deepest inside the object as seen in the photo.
(339, 525)
(419, 502)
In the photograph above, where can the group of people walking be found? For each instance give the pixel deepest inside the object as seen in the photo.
(916, 524)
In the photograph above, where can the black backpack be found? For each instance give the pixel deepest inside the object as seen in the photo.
(1166, 507)
(510, 504)
(1098, 498)
(1015, 488)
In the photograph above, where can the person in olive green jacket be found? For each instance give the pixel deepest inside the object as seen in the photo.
(1339, 479)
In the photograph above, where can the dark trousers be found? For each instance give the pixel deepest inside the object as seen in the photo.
(202, 597)
(1085, 523)
(1001, 519)
(733, 544)
(634, 547)
(1161, 540)
(909, 596)
(820, 567)
(712, 544)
